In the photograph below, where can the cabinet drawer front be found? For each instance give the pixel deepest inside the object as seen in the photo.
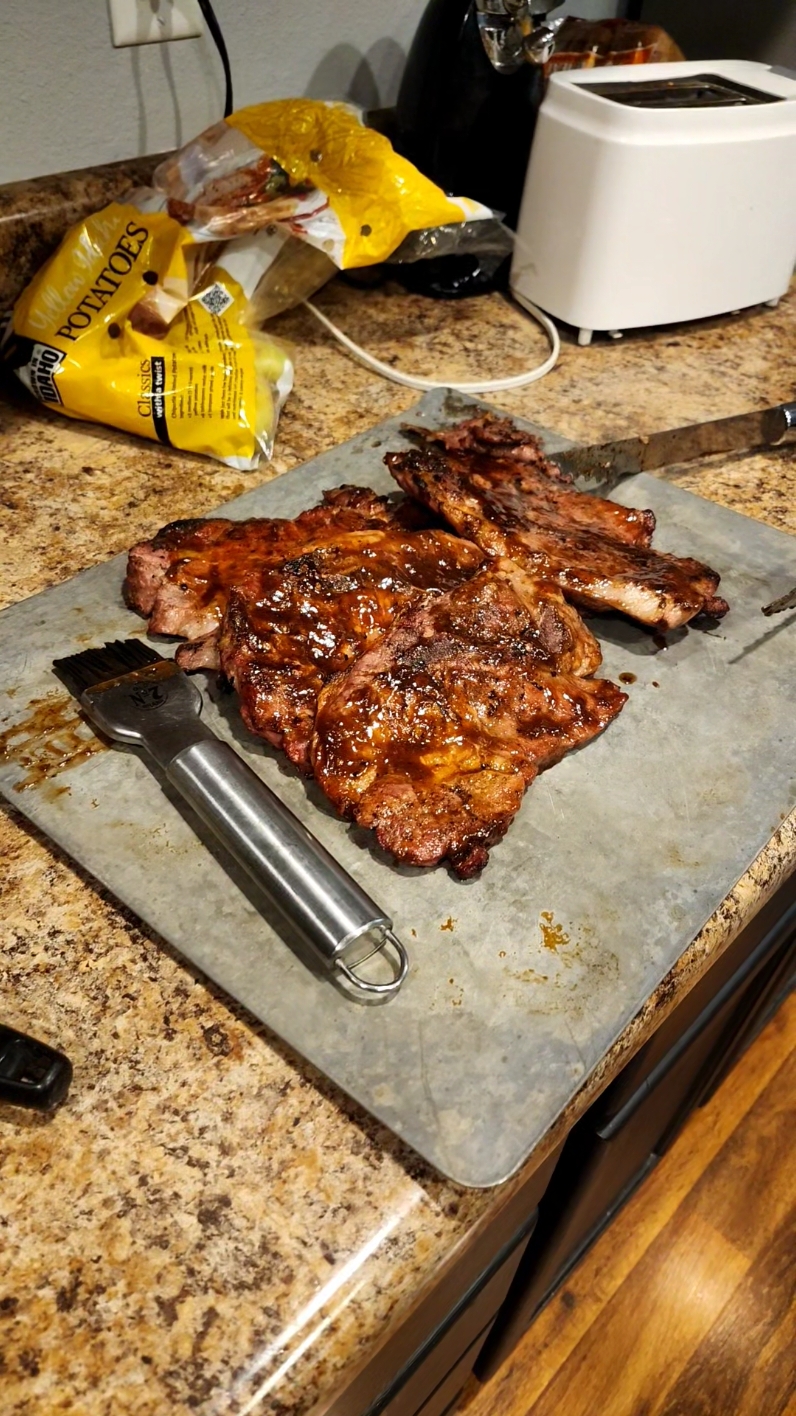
(444, 1352)
(446, 1393)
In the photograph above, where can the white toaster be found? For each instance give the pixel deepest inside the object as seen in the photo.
(659, 192)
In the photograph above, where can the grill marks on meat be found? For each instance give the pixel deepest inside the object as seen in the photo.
(516, 463)
(288, 630)
(492, 484)
(180, 580)
(432, 737)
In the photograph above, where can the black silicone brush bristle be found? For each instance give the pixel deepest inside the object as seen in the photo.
(93, 666)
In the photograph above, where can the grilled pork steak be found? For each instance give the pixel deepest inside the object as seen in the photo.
(493, 485)
(516, 463)
(180, 579)
(425, 679)
(289, 629)
(432, 737)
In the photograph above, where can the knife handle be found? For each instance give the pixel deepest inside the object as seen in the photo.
(779, 424)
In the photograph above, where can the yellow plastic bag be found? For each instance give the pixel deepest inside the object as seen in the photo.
(133, 323)
(314, 168)
(146, 316)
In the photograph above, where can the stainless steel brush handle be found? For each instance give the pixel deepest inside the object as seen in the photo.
(157, 709)
(311, 889)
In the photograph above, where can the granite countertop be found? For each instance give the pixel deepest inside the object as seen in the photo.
(208, 1225)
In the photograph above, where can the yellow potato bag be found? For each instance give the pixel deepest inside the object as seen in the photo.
(131, 323)
(314, 168)
(375, 194)
(145, 317)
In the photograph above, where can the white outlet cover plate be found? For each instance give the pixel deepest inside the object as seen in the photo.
(153, 21)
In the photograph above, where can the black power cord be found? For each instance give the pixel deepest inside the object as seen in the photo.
(218, 39)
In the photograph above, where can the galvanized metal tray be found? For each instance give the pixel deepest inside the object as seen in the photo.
(522, 979)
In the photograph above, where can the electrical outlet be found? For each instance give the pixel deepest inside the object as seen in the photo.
(153, 21)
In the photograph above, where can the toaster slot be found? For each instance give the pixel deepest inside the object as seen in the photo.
(687, 91)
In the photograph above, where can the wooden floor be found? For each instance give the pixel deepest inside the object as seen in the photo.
(685, 1306)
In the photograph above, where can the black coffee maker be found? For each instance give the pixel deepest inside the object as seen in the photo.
(466, 113)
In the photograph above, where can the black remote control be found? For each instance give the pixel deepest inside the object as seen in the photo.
(32, 1074)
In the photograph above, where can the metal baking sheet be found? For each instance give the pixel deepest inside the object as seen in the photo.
(522, 979)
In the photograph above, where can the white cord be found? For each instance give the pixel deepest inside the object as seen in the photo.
(481, 386)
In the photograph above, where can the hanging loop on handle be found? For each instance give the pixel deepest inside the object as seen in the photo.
(383, 990)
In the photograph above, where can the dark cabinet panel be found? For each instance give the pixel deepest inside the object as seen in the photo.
(448, 1390)
(463, 1332)
(771, 988)
(447, 1320)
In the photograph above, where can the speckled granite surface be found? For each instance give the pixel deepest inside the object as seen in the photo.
(207, 1225)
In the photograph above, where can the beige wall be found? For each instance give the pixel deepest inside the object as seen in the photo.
(68, 99)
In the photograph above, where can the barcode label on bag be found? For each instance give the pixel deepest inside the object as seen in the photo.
(216, 299)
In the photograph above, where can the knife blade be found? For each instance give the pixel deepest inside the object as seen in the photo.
(601, 466)
(785, 602)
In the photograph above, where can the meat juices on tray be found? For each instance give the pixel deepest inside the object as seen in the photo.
(493, 484)
(433, 736)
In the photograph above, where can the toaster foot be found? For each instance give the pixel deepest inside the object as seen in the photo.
(584, 336)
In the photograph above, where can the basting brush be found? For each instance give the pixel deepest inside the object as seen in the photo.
(141, 700)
